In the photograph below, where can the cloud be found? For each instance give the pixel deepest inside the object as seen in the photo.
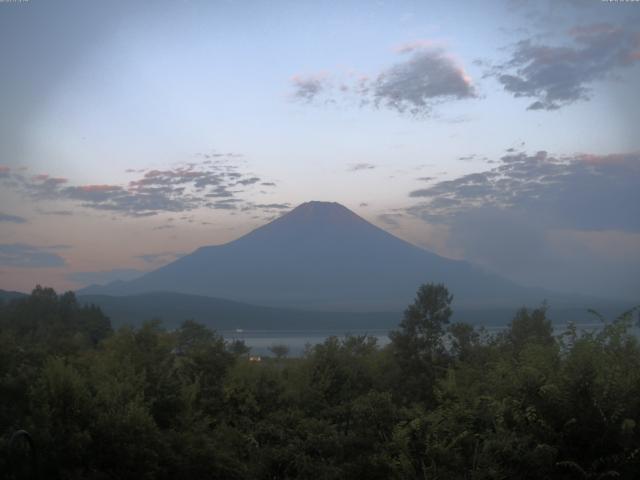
(555, 76)
(105, 276)
(415, 84)
(222, 205)
(560, 222)
(307, 88)
(356, 167)
(266, 207)
(583, 192)
(273, 206)
(500, 238)
(600, 263)
(179, 189)
(248, 181)
(425, 76)
(41, 187)
(220, 192)
(94, 193)
(62, 213)
(23, 255)
(6, 218)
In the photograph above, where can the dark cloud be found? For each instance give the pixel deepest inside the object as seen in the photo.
(248, 181)
(500, 238)
(429, 75)
(268, 208)
(604, 264)
(307, 88)
(179, 189)
(556, 222)
(356, 167)
(105, 276)
(29, 256)
(583, 192)
(556, 76)
(273, 206)
(41, 187)
(94, 193)
(6, 218)
(220, 192)
(268, 184)
(426, 76)
(222, 205)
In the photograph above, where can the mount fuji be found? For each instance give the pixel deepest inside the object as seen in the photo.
(323, 256)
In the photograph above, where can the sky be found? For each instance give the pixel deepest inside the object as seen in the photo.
(500, 132)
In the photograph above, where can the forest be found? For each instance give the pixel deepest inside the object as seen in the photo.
(443, 400)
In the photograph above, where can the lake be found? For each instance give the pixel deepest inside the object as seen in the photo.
(297, 340)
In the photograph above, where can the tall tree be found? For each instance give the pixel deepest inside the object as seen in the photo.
(418, 345)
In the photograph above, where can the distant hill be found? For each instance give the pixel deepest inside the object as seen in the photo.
(220, 314)
(7, 295)
(173, 308)
(322, 256)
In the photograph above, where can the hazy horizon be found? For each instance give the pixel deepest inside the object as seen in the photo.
(503, 133)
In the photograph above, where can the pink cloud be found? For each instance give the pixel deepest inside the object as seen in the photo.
(57, 180)
(99, 188)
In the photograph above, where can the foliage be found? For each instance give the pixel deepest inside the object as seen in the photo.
(440, 401)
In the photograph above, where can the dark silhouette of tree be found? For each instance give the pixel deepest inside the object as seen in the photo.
(279, 350)
(418, 344)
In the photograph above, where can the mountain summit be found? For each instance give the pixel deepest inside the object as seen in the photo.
(320, 212)
(321, 255)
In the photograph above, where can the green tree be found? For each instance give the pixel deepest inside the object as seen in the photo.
(418, 345)
(279, 350)
(530, 327)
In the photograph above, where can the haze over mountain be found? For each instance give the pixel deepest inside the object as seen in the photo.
(321, 255)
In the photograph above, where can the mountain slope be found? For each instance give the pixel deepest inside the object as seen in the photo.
(323, 256)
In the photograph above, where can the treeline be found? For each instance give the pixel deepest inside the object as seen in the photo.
(441, 401)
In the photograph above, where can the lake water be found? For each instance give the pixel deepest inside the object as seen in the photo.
(298, 340)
